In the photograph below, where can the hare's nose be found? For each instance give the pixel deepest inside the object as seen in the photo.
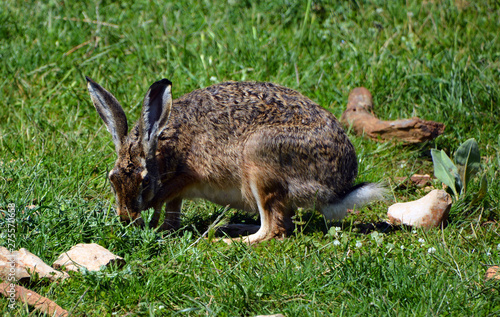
(124, 215)
(125, 219)
(139, 222)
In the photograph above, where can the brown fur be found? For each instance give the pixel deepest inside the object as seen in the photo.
(226, 138)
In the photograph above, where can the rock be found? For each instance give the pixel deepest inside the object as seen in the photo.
(418, 180)
(359, 115)
(427, 212)
(493, 273)
(23, 264)
(90, 256)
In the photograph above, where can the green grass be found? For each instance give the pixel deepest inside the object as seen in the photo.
(439, 60)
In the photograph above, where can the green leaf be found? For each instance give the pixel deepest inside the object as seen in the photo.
(445, 170)
(483, 189)
(468, 160)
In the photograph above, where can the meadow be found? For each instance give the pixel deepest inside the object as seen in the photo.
(438, 60)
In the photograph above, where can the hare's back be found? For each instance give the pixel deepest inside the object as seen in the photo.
(215, 130)
(238, 108)
(266, 103)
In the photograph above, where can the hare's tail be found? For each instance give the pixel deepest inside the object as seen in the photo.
(357, 196)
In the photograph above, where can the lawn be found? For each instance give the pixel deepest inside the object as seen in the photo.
(438, 60)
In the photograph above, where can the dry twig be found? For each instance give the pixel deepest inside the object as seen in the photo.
(31, 298)
(359, 115)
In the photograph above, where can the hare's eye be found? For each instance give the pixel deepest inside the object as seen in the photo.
(146, 180)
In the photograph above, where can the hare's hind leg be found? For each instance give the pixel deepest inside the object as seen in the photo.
(270, 198)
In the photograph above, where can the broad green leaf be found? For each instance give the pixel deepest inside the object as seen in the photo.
(468, 160)
(445, 170)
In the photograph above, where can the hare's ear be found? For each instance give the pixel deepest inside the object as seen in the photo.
(110, 111)
(155, 112)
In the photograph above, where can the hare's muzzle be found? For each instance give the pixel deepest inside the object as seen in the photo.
(137, 221)
(128, 217)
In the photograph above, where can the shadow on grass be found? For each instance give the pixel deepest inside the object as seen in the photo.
(381, 226)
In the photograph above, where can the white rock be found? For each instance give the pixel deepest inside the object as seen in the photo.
(22, 264)
(427, 212)
(91, 256)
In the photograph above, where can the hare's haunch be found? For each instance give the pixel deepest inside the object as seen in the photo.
(254, 146)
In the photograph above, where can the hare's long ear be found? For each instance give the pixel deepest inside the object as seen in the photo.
(110, 111)
(155, 112)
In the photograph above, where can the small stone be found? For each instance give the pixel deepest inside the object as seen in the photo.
(90, 256)
(421, 180)
(418, 180)
(493, 273)
(427, 212)
(23, 264)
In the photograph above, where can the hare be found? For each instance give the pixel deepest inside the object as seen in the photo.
(251, 145)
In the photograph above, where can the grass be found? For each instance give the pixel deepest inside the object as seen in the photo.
(439, 60)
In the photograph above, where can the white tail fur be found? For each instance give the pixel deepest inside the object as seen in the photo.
(356, 198)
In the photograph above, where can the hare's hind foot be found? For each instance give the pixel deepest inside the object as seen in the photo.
(255, 238)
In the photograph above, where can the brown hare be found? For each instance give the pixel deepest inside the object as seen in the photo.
(254, 146)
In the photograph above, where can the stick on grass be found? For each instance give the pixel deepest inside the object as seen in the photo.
(31, 298)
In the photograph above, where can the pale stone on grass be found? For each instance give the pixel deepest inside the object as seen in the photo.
(427, 212)
(493, 273)
(90, 256)
(24, 264)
